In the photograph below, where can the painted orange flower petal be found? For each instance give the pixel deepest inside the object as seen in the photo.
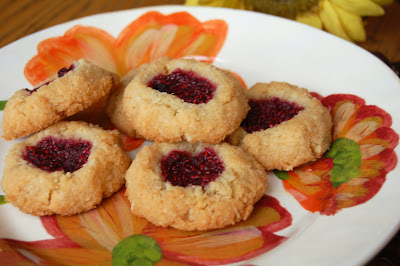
(209, 42)
(311, 195)
(78, 42)
(10, 256)
(43, 255)
(52, 251)
(154, 35)
(151, 36)
(89, 238)
(103, 227)
(344, 109)
(73, 256)
(130, 144)
(166, 262)
(231, 244)
(221, 245)
(239, 78)
(364, 128)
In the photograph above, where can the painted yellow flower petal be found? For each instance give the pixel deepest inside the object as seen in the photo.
(383, 2)
(311, 19)
(341, 117)
(102, 233)
(363, 129)
(102, 228)
(163, 41)
(352, 24)
(200, 46)
(307, 178)
(344, 196)
(358, 181)
(330, 20)
(216, 239)
(371, 168)
(371, 147)
(370, 150)
(360, 7)
(138, 49)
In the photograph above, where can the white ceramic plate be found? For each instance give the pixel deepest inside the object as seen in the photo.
(264, 48)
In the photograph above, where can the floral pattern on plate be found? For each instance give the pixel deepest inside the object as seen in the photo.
(90, 237)
(151, 36)
(355, 167)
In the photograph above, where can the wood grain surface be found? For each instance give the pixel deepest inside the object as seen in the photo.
(19, 18)
(384, 33)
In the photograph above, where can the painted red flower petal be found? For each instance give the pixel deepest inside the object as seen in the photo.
(367, 126)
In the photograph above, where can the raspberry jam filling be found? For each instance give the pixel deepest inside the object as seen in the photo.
(65, 70)
(265, 114)
(52, 154)
(60, 74)
(186, 85)
(182, 169)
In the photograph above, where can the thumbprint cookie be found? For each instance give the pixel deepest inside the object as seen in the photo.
(115, 110)
(64, 169)
(285, 127)
(184, 100)
(70, 91)
(194, 186)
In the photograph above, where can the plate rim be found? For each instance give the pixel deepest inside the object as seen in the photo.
(169, 9)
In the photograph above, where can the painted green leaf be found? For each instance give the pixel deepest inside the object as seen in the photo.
(283, 175)
(347, 159)
(137, 250)
(2, 105)
(2, 200)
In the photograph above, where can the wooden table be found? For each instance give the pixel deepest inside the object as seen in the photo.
(19, 18)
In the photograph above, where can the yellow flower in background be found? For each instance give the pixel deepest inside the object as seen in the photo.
(340, 17)
(240, 4)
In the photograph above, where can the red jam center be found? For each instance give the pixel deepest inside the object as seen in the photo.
(265, 114)
(52, 154)
(60, 74)
(65, 70)
(181, 169)
(186, 85)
